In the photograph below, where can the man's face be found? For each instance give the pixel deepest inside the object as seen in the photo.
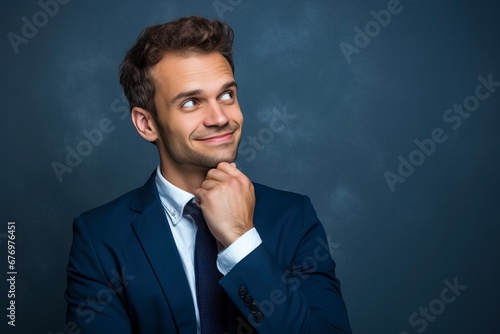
(198, 113)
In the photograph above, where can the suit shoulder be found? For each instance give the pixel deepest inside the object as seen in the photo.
(120, 208)
(112, 210)
(265, 193)
(283, 213)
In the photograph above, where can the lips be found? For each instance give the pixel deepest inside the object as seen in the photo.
(218, 137)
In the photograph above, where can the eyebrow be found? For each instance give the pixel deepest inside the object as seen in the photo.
(196, 92)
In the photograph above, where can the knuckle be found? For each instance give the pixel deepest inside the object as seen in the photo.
(233, 181)
(246, 183)
(198, 193)
(209, 196)
(221, 164)
(211, 173)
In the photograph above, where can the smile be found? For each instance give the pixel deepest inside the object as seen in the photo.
(220, 138)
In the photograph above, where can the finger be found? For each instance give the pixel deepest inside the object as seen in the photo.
(229, 168)
(217, 175)
(209, 184)
(199, 194)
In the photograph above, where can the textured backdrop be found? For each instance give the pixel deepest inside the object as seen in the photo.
(385, 113)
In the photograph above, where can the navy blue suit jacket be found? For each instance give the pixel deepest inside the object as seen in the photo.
(125, 274)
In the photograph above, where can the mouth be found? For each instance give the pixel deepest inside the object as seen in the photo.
(218, 138)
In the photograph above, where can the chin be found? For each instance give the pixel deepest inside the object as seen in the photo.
(213, 161)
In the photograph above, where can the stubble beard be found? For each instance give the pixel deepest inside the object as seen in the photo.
(184, 155)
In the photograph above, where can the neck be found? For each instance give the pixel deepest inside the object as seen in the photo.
(187, 178)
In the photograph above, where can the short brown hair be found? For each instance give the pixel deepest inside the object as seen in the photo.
(184, 36)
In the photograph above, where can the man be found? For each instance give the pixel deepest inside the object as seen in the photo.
(253, 259)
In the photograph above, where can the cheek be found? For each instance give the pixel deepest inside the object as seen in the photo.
(242, 119)
(172, 131)
(237, 115)
(190, 126)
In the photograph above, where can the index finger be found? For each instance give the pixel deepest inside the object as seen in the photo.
(229, 168)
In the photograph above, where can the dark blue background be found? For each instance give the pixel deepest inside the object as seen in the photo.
(394, 249)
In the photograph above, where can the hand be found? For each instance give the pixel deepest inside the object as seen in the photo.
(227, 201)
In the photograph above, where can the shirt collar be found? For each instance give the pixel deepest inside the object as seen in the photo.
(172, 198)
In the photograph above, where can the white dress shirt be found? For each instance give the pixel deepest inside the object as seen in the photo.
(184, 230)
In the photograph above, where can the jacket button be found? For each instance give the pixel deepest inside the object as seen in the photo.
(258, 317)
(254, 308)
(248, 300)
(242, 291)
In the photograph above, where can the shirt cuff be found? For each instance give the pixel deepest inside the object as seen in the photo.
(237, 251)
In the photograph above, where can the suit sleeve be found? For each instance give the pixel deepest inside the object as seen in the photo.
(94, 296)
(304, 297)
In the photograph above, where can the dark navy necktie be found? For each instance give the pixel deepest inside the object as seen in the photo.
(212, 299)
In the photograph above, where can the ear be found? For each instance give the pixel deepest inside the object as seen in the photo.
(144, 124)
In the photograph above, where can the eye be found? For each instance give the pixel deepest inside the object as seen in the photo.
(188, 103)
(226, 96)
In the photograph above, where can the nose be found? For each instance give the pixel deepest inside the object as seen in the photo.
(215, 115)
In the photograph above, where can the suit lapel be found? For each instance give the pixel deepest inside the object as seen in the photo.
(157, 241)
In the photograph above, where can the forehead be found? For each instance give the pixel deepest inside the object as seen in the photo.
(176, 73)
